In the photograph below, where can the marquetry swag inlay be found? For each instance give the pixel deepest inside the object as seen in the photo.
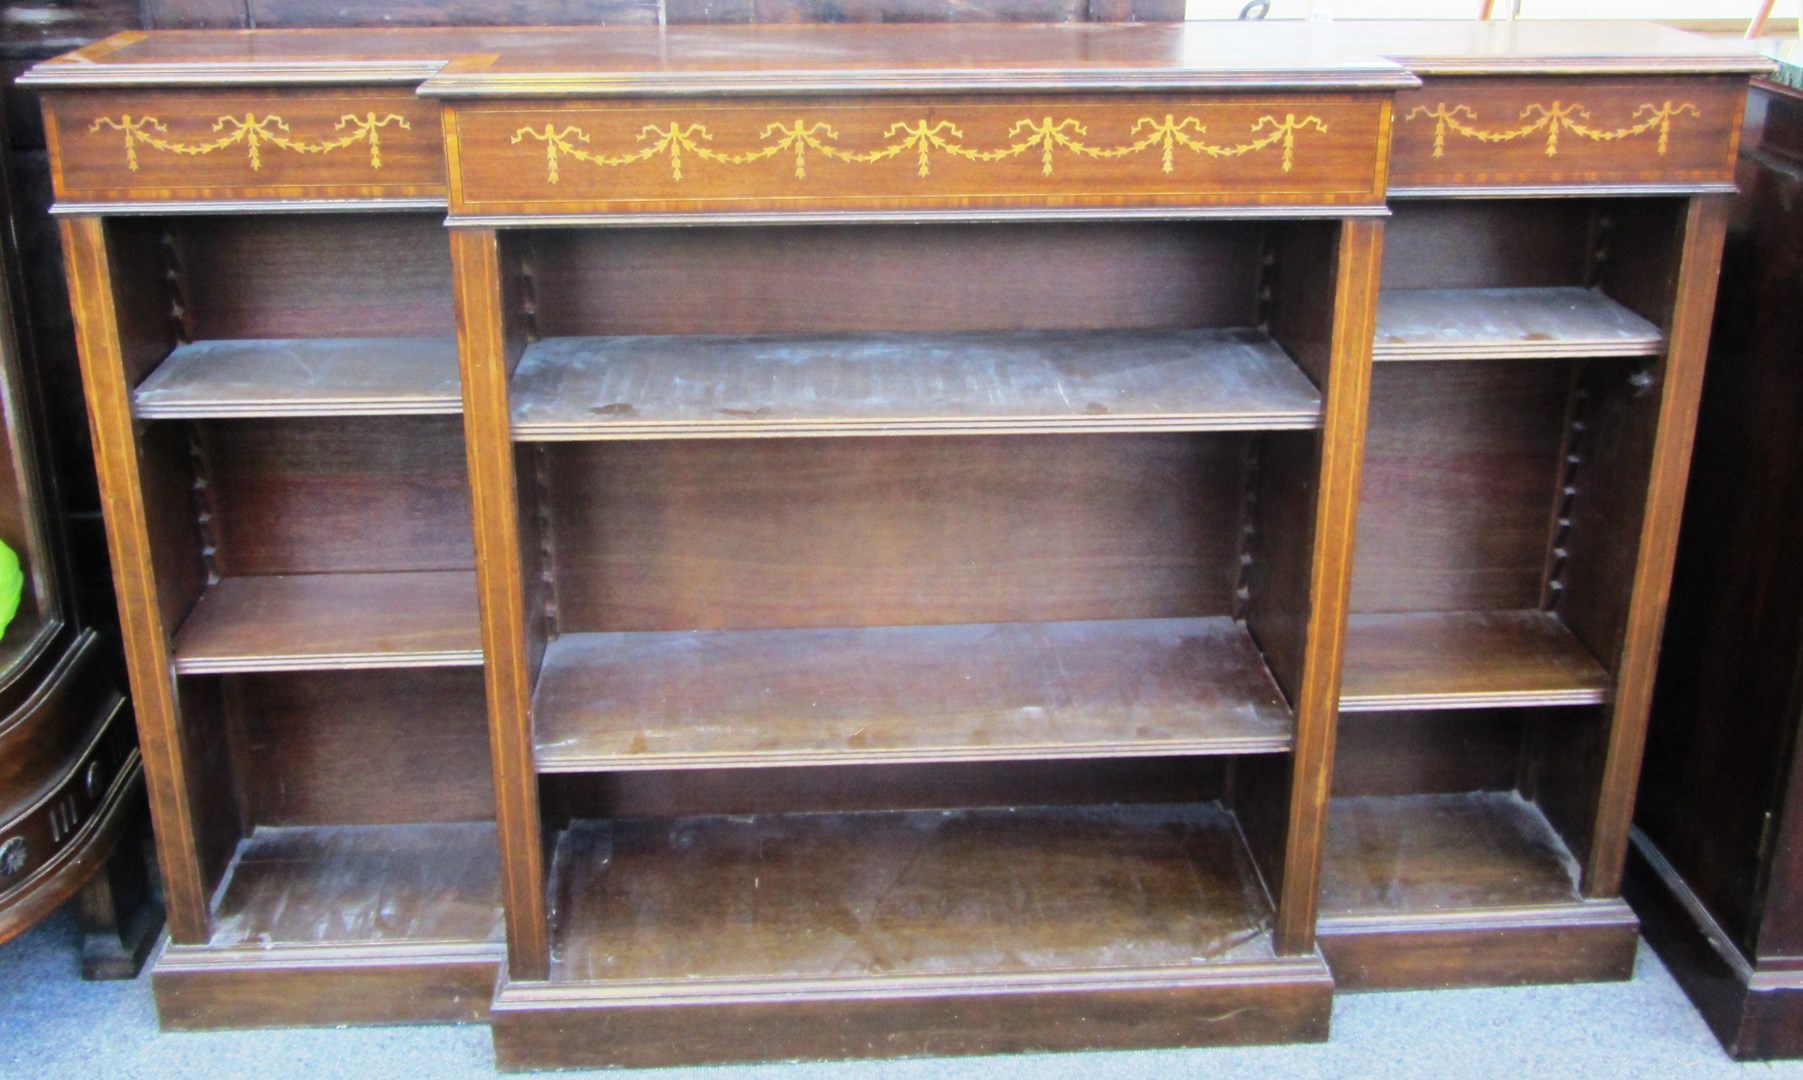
(1462, 120)
(922, 138)
(251, 131)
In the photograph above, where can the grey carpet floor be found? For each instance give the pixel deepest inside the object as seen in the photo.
(54, 1025)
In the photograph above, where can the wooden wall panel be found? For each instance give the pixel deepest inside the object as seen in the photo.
(901, 277)
(363, 747)
(861, 532)
(315, 275)
(1462, 461)
(1486, 243)
(318, 496)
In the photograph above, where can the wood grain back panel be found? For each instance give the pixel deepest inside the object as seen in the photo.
(731, 534)
(889, 786)
(1487, 243)
(1461, 466)
(362, 747)
(296, 496)
(314, 276)
(871, 279)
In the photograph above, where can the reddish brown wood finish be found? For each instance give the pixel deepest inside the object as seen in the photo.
(1497, 506)
(245, 145)
(772, 157)
(1460, 134)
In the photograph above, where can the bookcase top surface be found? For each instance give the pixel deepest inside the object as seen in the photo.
(727, 59)
(1545, 47)
(868, 58)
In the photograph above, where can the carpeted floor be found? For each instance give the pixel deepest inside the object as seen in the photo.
(54, 1025)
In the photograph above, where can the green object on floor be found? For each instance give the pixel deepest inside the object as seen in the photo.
(12, 585)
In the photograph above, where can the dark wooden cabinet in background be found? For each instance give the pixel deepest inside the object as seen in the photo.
(1717, 871)
(914, 474)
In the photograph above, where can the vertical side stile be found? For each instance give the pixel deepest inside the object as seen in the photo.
(1345, 398)
(486, 355)
(146, 638)
(1705, 230)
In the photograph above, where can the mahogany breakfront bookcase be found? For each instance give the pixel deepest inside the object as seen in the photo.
(915, 474)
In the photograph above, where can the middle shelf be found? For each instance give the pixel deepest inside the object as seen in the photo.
(1009, 691)
(301, 622)
(722, 386)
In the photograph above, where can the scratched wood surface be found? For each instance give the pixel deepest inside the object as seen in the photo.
(712, 386)
(362, 884)
(1466, 660)
(303, 377)
(1475, 324)
(1429, 853)
(332, 621)
(925, 893)
(950, 693)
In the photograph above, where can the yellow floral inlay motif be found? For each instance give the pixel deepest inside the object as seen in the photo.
(921, 139)
(1551, 119)
(251, 131)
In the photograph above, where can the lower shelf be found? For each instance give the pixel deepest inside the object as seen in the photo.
(684, 941)
(345, 925)
(1472, 889)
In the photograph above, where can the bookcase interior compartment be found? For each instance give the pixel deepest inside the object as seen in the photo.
(1454, 851)
(331, 789)
(1526, 279)
(1499, 512)
(292, 315)
(314, 543)
(666, 885)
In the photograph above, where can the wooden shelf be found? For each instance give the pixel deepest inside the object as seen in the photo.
(1495, 324)
(303, 377)
(938, 895)
(1437, 855)
(331, 886)
(916, 693)
(1466, 660)
(710, 386)
(333, 621)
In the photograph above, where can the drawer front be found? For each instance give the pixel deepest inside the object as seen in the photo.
(238, 145)
(899, 155)
(64, 818)
(1532, 134)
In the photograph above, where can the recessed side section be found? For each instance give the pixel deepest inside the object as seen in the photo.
(344, 925)
(363, 883)
(901, 694)
(964, 932)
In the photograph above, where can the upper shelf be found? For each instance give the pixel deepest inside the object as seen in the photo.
(1500, 324)
(327, 622)
(1144, 380)
(1011, 691)
(303, 377)
(1466, 660)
